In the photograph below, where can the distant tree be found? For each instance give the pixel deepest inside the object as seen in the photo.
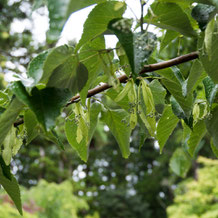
(197, 198)
(46, 200)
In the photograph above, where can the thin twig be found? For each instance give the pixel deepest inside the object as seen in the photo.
(142, 15)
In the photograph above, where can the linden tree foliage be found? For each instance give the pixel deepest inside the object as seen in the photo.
(151, 94)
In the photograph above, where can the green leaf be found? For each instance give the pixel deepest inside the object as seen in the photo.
(173, 81)
(146, 107)
(208, 38)
(180, 163)
(124, 103)
(94, 115)
(59, 11)
(11, 145)
(12, 188)
(147, 97)
(143, 133)
(2, 110)
(209, 61)
(132, 96)
(71, 131)
(35, 67)
(8, 117)
(185, 134)
(198, 132)
(49, 63)
(4, 99)
(82, 120)
(210, 89)
(118, 123)
(122, 29)
(181, 1)
(185, 2)
(214, 148)
(170, 16)
(57, 18)
(178, 1)
(169, 36)
(195, 73)
(123, 92)
(212, 127)
(130, 91)
(165, 126)
(55, 138)
(56, 57)
(214, 2)
(203, 14)
(45, 103)
(179, 112)
(137, 46)
(208, 2)
(82, 76)
(75, 5)
(70, 75)
(124, 63)
(159, 93)
(98, 20)
(196, 112)
(89, 56)
(5, 169)
(30, 122)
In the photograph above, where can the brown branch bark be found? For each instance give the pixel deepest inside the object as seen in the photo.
(146, 69)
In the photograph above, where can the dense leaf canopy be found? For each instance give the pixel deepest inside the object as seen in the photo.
(142, 87)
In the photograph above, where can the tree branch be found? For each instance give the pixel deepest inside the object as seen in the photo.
(146, 69)
(123, 78)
